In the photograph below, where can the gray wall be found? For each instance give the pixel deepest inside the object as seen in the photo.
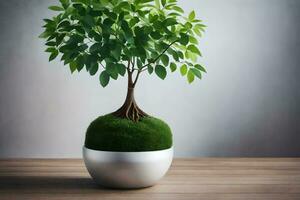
(247, 105)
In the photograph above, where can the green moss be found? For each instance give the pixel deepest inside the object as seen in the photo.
(110, 133)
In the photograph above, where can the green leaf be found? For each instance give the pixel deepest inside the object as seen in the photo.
(63, 24)
(51, 44)
(180, 54)
(184, 39)
(198, 32)
(79, 7)
(127, 30)
(192, 56)
(124, 5)
(196, 72)
(80, 63)
(60, 38)
(145, 1)
(44, 35)
(174, 54)
(183, 69)
(89, 21)
(56, 8)
(193, 40)
(104, 2)
(190, 76)
(198, 28)
(111, 15)
(188, 25)
(194, 49)
(173, 67)
(73, 66)
(178, 9)
(197, 20)
(95, 48)
(133, 21)
(161, 71)
(116, 52)
(156, 35)
(150, 69)
(200, 67)
(65, 3)
(170, 22)
(163, 3)
(165, 59)
(112, 70)
(192, 16)
(121, 69)
(53, 55)
(84, 2)
(174, 14)
(157, 4)
(152, 18)
(104, 79)
(94, 68)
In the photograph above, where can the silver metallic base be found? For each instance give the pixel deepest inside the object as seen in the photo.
(127, 169)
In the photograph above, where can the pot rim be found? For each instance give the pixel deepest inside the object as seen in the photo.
(131, 152)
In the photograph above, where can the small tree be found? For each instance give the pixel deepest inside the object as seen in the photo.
(133, 36)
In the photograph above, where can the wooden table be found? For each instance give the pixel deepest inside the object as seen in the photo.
(203, 178)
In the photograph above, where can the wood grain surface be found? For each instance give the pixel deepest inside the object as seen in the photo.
(203, 178)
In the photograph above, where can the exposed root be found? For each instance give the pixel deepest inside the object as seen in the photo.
(130, 111)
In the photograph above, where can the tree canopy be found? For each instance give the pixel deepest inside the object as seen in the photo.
(118, 36)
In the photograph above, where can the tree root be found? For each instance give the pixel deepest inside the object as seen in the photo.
(131, 111)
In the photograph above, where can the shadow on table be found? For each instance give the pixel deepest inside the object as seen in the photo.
(36, 184)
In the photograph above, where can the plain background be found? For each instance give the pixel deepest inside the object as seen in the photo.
(247, 104)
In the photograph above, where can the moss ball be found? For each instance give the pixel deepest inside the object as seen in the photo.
(110, 133)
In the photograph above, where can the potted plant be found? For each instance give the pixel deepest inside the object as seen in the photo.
(127, 148)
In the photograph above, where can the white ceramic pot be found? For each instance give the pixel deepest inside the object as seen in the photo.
(127, 170)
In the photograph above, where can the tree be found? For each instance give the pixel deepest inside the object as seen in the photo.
(119, 36)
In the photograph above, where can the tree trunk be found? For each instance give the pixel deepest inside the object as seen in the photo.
(130, 109)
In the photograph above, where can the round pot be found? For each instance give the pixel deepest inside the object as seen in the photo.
(127, 169)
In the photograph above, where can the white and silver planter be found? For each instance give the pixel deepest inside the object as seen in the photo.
(127, 170)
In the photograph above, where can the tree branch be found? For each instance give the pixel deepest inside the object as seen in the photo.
(136, 78)
(158, 55)
(128, 66)
(132, 64)
(102, 65)
(143, 69)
